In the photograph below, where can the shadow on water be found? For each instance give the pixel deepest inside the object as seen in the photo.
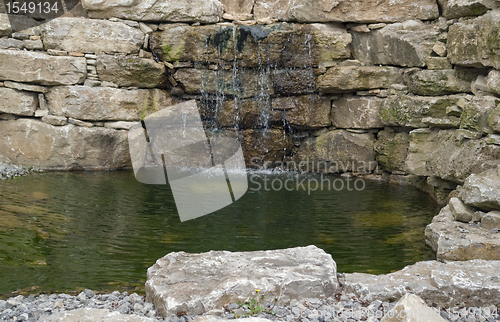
(102, 230)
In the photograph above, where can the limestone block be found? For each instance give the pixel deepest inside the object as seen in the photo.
(17, 102)
(482, 190)
(354, 112)
(82, 35)
(196, 283)
(40, 68)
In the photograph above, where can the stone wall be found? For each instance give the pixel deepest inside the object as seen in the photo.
(411, 85)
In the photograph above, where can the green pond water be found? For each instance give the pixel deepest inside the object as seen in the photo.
(102, 230)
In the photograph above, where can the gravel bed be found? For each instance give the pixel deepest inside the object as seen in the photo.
(9, 171)
(344, 308)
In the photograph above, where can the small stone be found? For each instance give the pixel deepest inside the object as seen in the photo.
(375, 26)
(91, 62)
(33, 44)
(145, 28)
(438, 63)
(54, 52)
(123, 309)
(92, 83)
(23, 317)
(440, 49)
(77, 54)
(35, 37)
(89, 293)
(58, 304)
(20, 36)
(55, 120)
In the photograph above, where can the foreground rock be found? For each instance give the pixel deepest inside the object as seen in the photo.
(411, 308)
(93, 315)
(35, 143)
(196, 283)
(458, 241)
(469, 283)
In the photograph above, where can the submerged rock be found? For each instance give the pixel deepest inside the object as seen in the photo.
(196, 283)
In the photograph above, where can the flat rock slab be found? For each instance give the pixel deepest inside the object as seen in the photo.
(196, 283)
(93, 315)
(463, 283)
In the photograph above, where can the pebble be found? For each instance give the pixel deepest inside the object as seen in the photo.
(349, 308)
(9, 171)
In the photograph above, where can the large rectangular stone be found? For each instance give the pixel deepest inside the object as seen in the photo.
(40, 68)
(35, 143)
(354, 112)
(346, 10)
(91, 36)
(476, 42)
(303, 112)
(105, 103)
(16, 102)
(402, 44)
(130, 71)
(288, 45)
(440, 82)
(357, 78)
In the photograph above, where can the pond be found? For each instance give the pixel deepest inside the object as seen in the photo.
(102, 230)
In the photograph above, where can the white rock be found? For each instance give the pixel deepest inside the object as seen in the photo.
(411, 308)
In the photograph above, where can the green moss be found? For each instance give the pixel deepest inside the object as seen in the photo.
(172, 52)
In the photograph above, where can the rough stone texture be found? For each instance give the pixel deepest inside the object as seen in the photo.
(493, 81)
(438, 63)
(477, 112)
(93, 315)
(460, 211)
(40, 68)
(356, 112)
(82, 35)
(105, 103)
(16, 102)
(303, 112)
(247, 113)
(449, 154)
(339, 151)
(410, 110)
(466, 8)
(391, 149)
(438, 284)
(494, 119)
(491, 220)
(440, 82)
(243, 84)
(55, 120)
(293, 81)
(403, 44)
(345, 11)
(453, 240)
(13, 23)
(267, 145)
(34, 143)
(476, 42)
(238, 7)
(288, 45)
(130, 71)
(26, 87)
(206, 11)
(196, 283)
(482, 190)
(354, 78)
(10, 43)
(411, 308)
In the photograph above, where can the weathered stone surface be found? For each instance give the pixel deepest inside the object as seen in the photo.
(491, 220)
(354, 78)
(247, 113)
(410, 110)
(130, 71)
(91, 36)
(494, 119)
(460, 211)
(391, 149)
(303, 112)
(120, 125)
(197, 283)
(440, 82)
(345, 11)
(105, 103)
(93, 315)
(454, 240)
(354, 112)
(339, 151)
(288, 45)
(206, 11)
(242, 83)
(449, 154)
(34, 143)
(266, 145)
(493, 81)
(482, 190)
(55, 120)
(403, 44)
(10, 43)
(411, 308)
(466, 8)
(13, 23)
(16, 102)
(25, 87)
(477, 112)
(438, 284)
(238, 7)
(40, 68)
(476, 42)
(438, 63)
(294, 81)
